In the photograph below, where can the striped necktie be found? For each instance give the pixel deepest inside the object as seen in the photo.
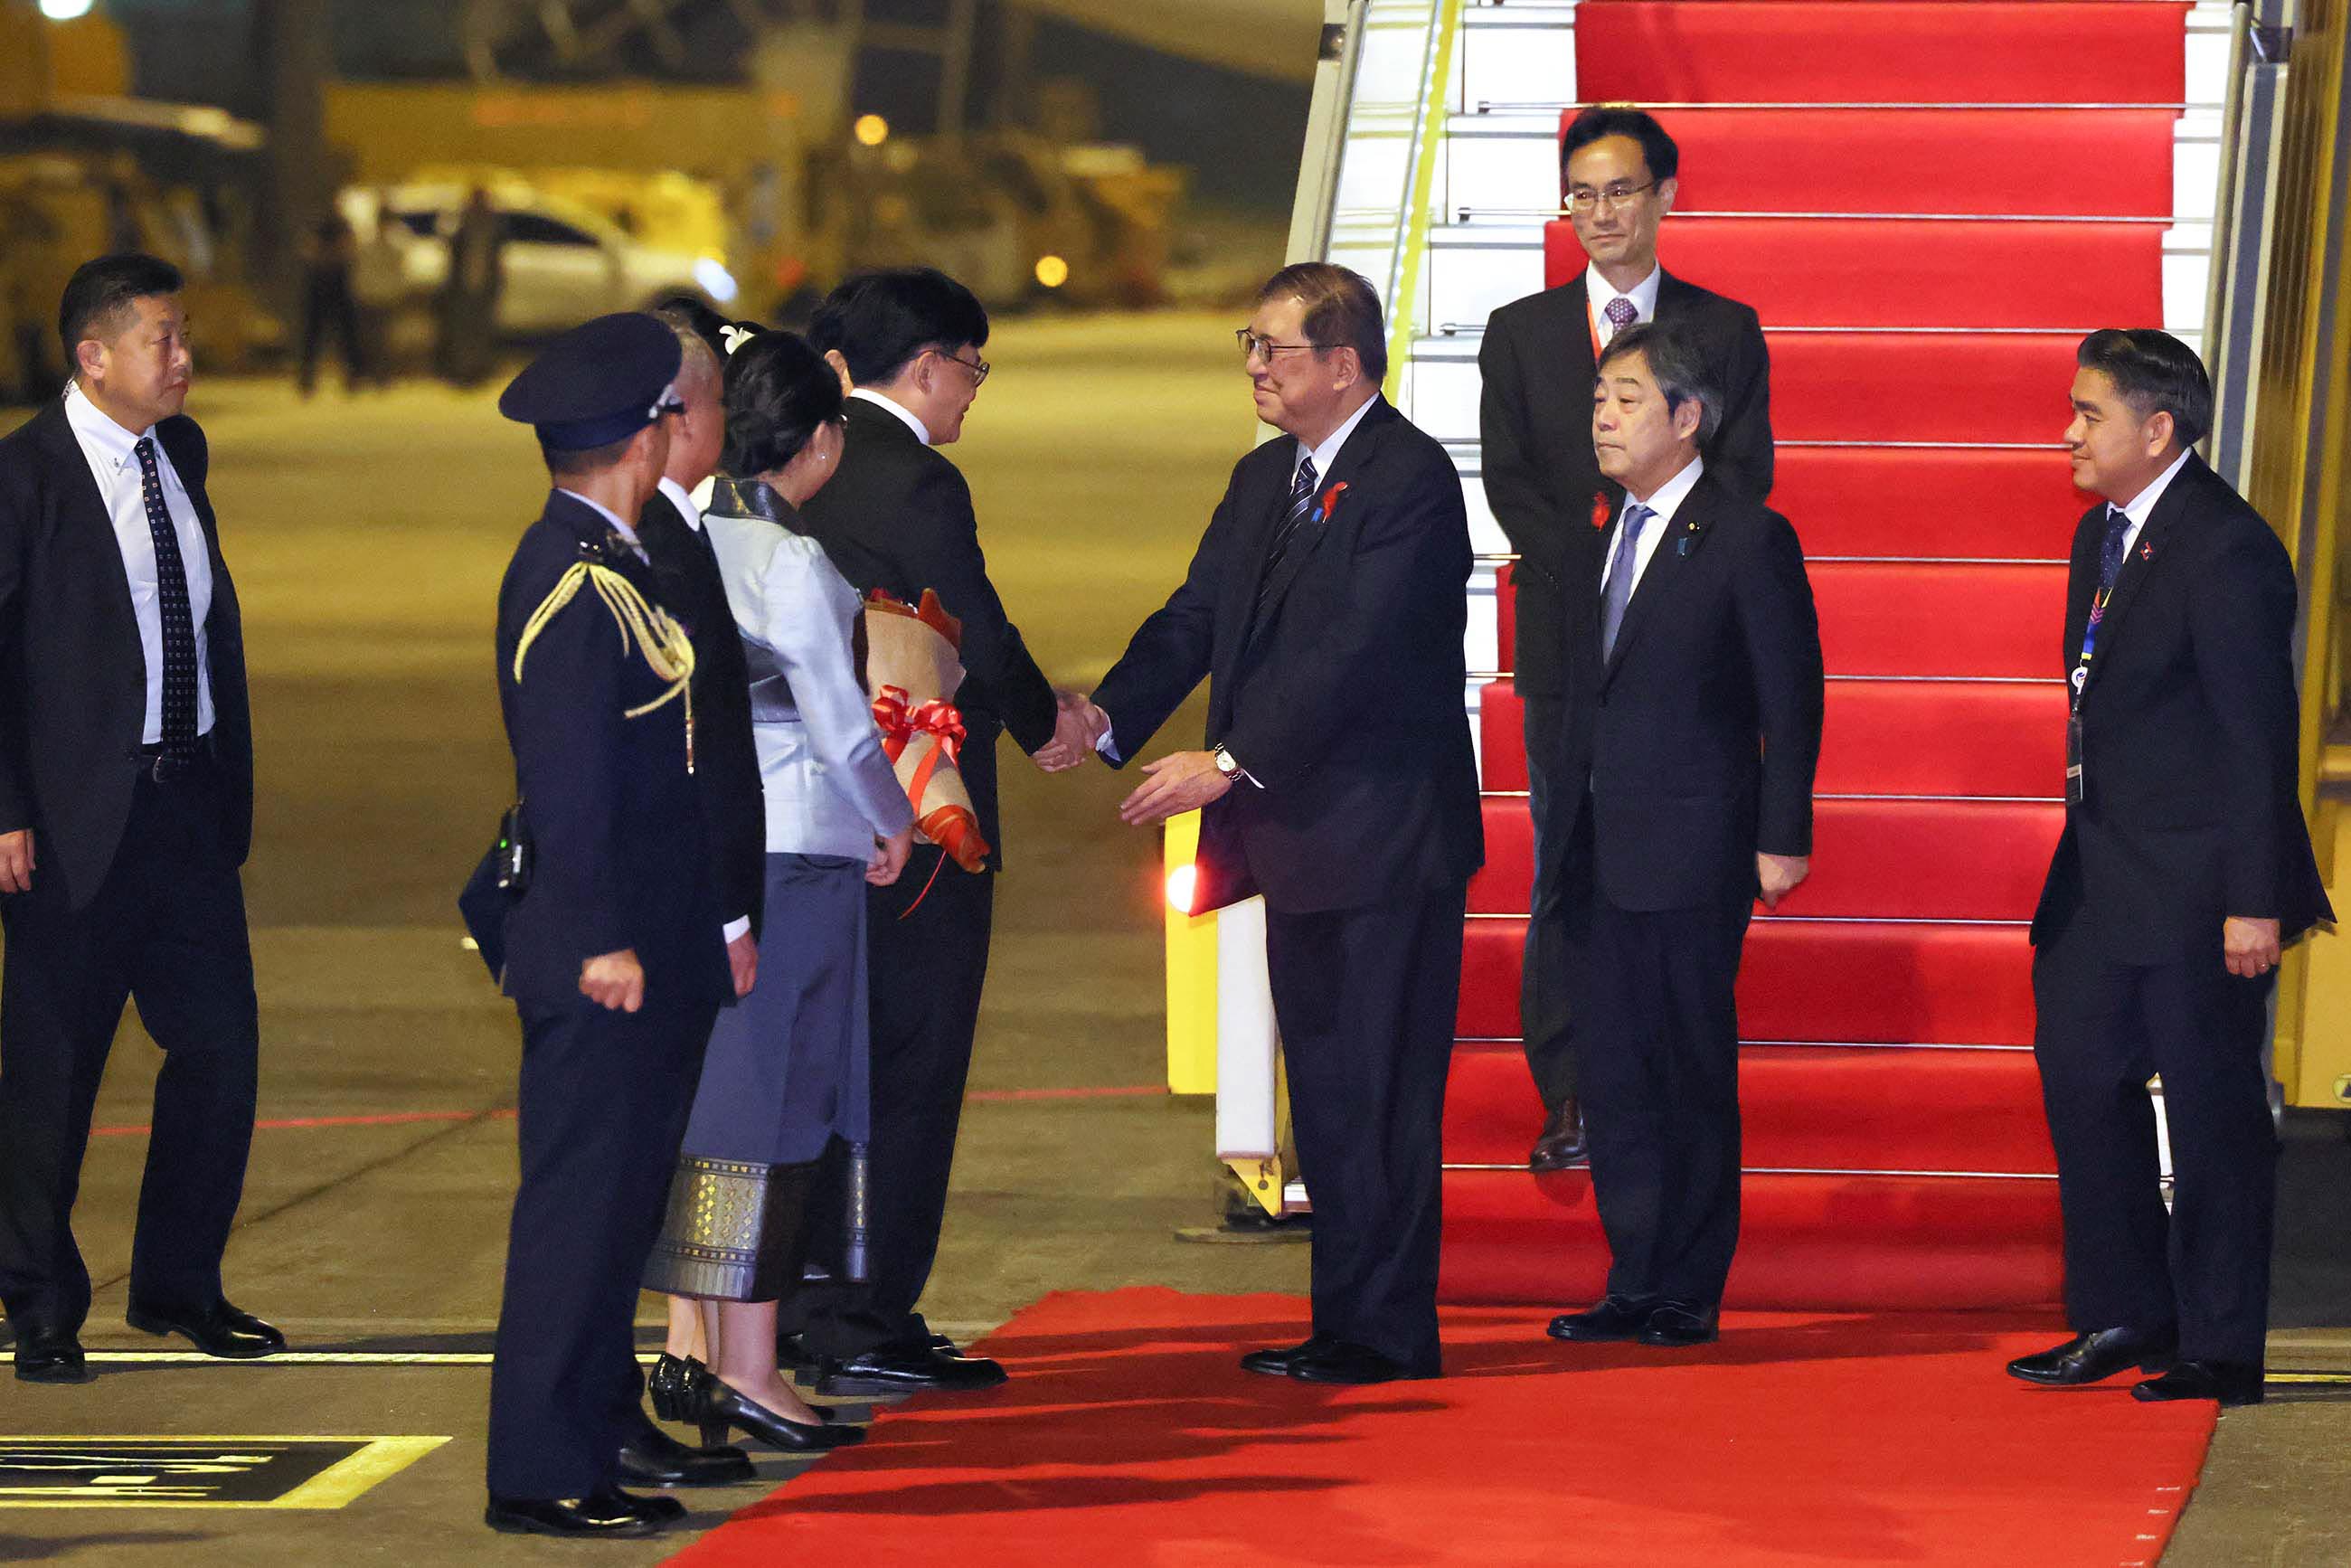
(1302, 506)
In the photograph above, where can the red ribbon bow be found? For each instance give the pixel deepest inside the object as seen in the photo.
(1331, 498)
(901, 724)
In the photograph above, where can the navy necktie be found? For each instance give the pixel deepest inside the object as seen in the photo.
(2110, 557)
(1619, 593)
(1302, 506)
(172, 598)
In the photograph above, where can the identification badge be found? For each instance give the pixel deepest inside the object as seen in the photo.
(2073, 776)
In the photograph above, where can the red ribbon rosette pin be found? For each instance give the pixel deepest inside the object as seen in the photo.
(1600, 508)
(1330, 499)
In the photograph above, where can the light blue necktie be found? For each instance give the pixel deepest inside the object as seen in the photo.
(1619, 593)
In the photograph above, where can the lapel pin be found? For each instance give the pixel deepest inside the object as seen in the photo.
(2146, 553)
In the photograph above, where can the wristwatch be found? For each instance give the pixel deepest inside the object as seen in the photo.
(1233, 772)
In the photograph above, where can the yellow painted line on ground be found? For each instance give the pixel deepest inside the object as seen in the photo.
(377, 1459)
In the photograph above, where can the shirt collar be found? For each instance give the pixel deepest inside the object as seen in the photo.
(682, 499)
(1328, 452)
(906, 416)
(2144, 502)
(606, 513)
(1644, 294)
(97, 431)
(1669, 496)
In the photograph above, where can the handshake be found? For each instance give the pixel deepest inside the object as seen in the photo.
(1076, 732)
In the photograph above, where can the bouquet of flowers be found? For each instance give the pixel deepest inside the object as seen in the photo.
(913, 668)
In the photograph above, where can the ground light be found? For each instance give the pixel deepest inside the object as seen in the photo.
(871, 130)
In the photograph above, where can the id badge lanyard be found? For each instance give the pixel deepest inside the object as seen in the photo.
(2076, 780)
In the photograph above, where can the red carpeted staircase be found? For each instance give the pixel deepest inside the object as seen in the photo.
(1887, 181)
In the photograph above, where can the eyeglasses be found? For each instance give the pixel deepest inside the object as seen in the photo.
(978, 367)
(1252, 346)
(1584, 198)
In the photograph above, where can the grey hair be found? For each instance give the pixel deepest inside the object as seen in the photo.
(1674, 364)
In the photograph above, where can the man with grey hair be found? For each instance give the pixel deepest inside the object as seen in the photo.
(1692, 729)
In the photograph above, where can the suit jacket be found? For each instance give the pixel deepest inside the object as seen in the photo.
(1343, 698)
(619, 856)
(73, 676)
(1535, 431)
(898, 517)
(726, 760)
(2190, 734)
(1699, 736)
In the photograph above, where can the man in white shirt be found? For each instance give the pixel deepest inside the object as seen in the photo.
(126, 810)
(1619, 172)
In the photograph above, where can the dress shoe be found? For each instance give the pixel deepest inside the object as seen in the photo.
(1615, 1318)
(2227, 1381)
(216, 1330)
(727, 1408)
(795, 1355)
(1278, 1362)
(1339, 1361)
(907, 1369)
(607, 1511)
(48, 1354)
(651, 1458)
(1679, 1324)
(1561, 1145)
(2092, 1357)
(676, 1386)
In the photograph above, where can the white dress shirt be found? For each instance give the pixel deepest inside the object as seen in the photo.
(1600, 291)
(905, 415)
(627, 532)
(1664, 503)
(1327, 453)
(111, 452)
(2143, 505)
(682, 499)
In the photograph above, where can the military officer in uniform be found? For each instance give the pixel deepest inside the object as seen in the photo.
(612, 948)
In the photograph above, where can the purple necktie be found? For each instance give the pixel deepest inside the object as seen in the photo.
(1621, 313)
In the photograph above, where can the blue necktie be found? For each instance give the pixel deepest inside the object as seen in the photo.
(172, 600)
(1619, 593)
(1302, 506)
(2110, 568)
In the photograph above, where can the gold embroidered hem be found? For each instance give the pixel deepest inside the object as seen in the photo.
(733, 1232)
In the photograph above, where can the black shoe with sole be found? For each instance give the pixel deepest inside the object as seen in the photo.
(1562, 1146)
(219, 1328)
(2095, 1357)
(608, 1511)
(1676, 1325)
(727, 1408)
(1615, 1318)
(1276, 1362)
(676, 1386)
(651, 1458)
(907, 1369)
(46, 1353)
(2228, 1382)
(1339, 1361)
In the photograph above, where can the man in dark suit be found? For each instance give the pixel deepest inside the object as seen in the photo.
(126, 810)
(614, 951)
(1325, 609)
(2184, 868)
(1692, 663)
(898, 517)
(1618, 168)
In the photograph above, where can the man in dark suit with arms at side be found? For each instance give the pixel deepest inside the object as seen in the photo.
(1325, 609)
(126, 810)
(2184, 869)
(1620, 172)
(1692, 727)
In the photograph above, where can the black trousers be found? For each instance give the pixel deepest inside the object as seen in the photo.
(927, 971)
(604, 1104)
(1366, 1001)
(329, 310)
(166, 927)
(2104, 1029)
(1657, 1034)
(1543, 991)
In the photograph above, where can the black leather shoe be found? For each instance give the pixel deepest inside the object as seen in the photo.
(1615, 1318)
(2231, 1383)
(1562, 1146)
(907, 1369)
(727, 1408)
(676, 1387)
(48, 1354)
(794, 1355)
(1278, 1362)
(2093, 1357)
(608, 1511)
(1680, 1324)
(1339, 1361)
(219, 1328)
(651, 1458)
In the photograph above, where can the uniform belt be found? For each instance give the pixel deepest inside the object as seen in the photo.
(165, 768)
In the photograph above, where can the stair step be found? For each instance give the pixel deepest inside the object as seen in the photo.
(1956, 51)
(1803, 1108)
(1895, 386)
(1892, 859)
(1811, 1241)
(1909, 272)
(1819, 980)
(1911, 618)
(1929, 502)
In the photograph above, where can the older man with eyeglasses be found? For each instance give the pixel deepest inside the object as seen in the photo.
(1619, 172)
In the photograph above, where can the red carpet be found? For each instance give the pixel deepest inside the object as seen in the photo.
(1127, 1434)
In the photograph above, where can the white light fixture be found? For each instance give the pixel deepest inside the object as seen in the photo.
(715, 280)
(65, 10)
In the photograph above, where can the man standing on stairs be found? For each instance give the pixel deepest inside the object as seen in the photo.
(1691, 726)
(1549, 495)
(2184, 868)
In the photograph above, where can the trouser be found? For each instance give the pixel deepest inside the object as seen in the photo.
(328, 310)
(1366, 1001)
(603, 1103)
(1659, 1040)
(927, 970)
(2103, 1029)
(166, 927)
(1543, 991)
